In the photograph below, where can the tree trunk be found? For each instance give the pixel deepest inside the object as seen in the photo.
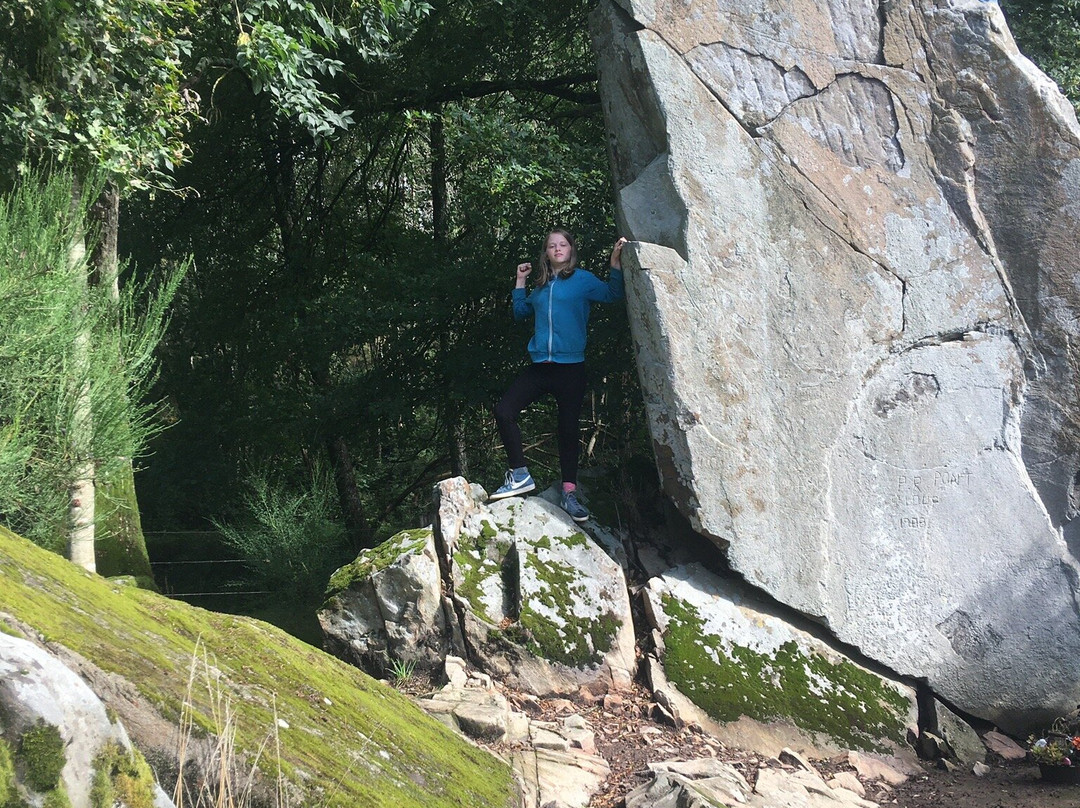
(81, 492)
(348, 492)
(440, 229)
(121, 545)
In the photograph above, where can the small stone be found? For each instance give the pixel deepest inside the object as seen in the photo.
(980, 769)
(946, 764)
(561, 706)
(872, 768)
(661, 715)
(1003, 746)
(848, 781)
(586, 696)
(613, 702)
(793, 758)
(481, 681)
(575, 721)
(455, 671)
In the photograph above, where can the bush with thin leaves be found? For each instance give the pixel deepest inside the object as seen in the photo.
(62, 336)
(291, 537)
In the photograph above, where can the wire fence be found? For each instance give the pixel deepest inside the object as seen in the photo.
(189, 566)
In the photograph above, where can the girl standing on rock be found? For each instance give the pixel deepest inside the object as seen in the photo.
(559, 306)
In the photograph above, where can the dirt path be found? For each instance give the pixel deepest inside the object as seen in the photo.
(629, 740)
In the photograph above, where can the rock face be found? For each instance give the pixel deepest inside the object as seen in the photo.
(515, 585)
(706, 783)
(855, 312)
(738, 662)
(60, 736)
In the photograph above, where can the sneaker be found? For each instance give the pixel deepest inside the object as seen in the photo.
(513, 487)
(571, 505)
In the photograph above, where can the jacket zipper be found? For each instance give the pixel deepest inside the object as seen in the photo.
(551, 294)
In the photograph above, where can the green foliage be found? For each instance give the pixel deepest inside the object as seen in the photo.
(401, 671)
(1048, 32)
(41, 749)
(121, 777)
(329, 309)
(47, 309)
(57, 798)
(7, 773)
(289, 537)
(283, 48)
(97, 85)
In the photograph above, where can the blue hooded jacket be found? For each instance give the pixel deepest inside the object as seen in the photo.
(561, 309)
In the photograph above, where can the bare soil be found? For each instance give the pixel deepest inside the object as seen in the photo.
(628, 738)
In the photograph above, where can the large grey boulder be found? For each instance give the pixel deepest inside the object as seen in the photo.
(72, 732)
(386, 608)
(855, 310)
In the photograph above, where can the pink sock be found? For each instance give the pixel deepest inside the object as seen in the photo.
(569, 487)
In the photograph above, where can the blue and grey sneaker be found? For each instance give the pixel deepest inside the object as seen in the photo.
(570, 504)
(518, 481)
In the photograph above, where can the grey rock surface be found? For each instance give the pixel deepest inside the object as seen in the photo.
(736, 660)
(709, 782)
(516, 586)
(37, 687)
(964, 743)
(855, 314)
(386, 607)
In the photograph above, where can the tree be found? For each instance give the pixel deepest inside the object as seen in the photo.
(1048, 32)
(350, 303)
(60, 339)
(102, 86)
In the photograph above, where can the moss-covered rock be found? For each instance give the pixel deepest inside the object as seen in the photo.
(122, 777)
(41, 752)
(376, 559)
(565, 621)
(733, 659)
(349, 741)
(386, 608)
(7, 773)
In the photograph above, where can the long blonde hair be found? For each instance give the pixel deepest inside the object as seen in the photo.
(547, 271)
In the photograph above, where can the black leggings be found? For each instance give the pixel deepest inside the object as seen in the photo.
(564, 381)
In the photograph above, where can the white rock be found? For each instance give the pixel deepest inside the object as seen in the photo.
(859, 362)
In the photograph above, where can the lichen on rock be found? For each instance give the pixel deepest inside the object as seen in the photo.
(733, 659)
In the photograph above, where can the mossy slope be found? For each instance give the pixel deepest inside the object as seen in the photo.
(346, 740)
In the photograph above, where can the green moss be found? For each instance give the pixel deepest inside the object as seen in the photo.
(57, 798)
(121, 548)
(369, 746)
(41, 750)
(6, 629)
(121, 776)
(840, 700)
(476, 562)
(7, 773)
(574, 540)
(376, 559)
(580, 641)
